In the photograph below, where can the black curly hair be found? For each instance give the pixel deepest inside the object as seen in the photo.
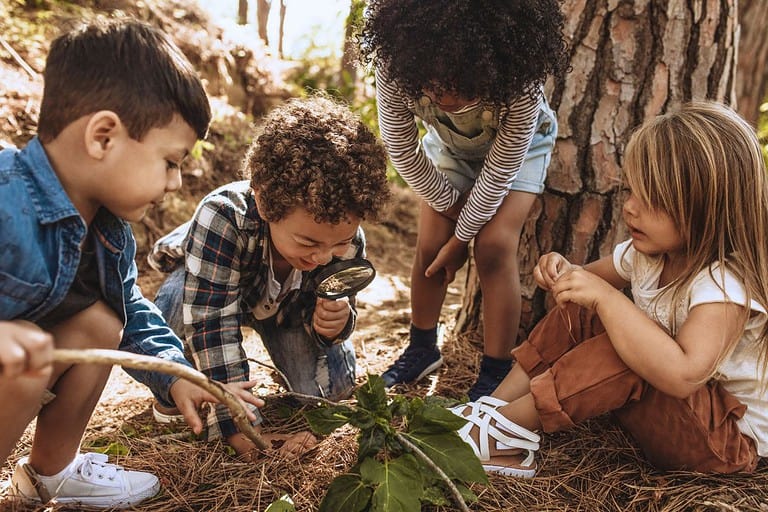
(495, 50)
(314, 153)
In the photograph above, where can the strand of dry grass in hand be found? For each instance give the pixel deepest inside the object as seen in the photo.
(155, 364)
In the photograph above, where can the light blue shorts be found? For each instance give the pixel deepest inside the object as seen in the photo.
(462, 173)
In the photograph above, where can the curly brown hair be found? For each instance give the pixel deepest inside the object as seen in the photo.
(314, 153)
(495, 50)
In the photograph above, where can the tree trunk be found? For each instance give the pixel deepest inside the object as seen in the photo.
(348, 72)
(752, 70)
(242, 12)
(262, 18)
(631, 60)
(281, 30)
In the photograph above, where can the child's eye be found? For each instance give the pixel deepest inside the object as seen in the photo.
(171, 165)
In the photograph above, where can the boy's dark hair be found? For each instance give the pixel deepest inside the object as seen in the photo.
(125, 66)
(314, 153)
(494, 50)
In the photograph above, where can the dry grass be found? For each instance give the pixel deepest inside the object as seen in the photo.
(593, 468)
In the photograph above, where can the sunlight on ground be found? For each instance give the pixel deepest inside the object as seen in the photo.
(382, 289)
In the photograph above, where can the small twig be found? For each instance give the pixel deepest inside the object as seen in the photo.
(155, 364)
(20, 61)
(429, 462)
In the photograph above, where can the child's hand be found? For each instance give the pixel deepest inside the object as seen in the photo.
(189, 397)
(450, 259)
(286, 445)
(331, 316)
(24, 349)
(582, 287)
(549, 268)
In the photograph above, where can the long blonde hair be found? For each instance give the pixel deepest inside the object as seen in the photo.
(702, 165)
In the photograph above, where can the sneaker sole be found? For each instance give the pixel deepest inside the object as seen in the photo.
(429, 369)
(166, 419)
(97, 502)
(94, 503)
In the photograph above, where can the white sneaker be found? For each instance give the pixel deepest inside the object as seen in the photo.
(166, 416)
(90, 481)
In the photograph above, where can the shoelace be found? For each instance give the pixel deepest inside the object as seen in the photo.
(95, 465)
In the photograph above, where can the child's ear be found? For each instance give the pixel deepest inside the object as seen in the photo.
(101, 131)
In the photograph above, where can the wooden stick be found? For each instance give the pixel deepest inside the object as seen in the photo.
(21, 62)
(155, 364)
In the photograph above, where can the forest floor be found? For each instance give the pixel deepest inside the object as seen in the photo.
(595, 467)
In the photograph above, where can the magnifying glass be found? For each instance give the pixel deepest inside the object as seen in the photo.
(341, 278)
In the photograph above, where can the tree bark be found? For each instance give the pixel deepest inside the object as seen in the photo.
(752, 69)
(242, 12)
(262, 19)
(281, 30)
(631, 60)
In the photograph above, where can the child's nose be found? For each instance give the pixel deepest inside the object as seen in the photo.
(322, 257)
(174, 180)
(630, 206)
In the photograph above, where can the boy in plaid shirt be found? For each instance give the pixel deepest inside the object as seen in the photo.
(316, 172)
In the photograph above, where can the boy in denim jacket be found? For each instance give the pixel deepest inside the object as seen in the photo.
(121, 109)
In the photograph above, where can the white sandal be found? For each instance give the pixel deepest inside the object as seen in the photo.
(481, 413)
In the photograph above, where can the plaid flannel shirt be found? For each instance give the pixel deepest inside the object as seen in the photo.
(224, 251)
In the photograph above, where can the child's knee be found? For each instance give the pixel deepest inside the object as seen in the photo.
(495, 254)
(97, 326)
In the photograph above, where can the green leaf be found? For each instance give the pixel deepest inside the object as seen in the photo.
(451, 454)
(466, 493)
(346, 493)
(434, 496)
(433, 419)
(284, 504)
(399, 406)
(370, 442)
(398, 484)
(362, 419)
(372, 396)
(325, 420)
(113, 448)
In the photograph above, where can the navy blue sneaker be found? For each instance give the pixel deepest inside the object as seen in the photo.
(485, 384)
(414, 364)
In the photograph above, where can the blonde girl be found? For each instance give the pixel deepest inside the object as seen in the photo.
(681, 364)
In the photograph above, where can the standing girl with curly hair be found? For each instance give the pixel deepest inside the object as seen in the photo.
(473, 72)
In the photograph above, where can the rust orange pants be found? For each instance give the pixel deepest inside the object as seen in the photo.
(576, 374)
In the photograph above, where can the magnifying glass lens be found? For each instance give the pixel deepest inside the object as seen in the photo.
(342, 278)
(345, 281)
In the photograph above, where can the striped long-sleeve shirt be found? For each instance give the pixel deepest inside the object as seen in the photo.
(401, 138)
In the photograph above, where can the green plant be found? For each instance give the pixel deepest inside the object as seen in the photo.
(409, 453)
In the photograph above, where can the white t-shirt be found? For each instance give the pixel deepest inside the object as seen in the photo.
(274, 291)
(739, 373)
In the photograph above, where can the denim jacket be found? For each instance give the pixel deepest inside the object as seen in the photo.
(41, 233)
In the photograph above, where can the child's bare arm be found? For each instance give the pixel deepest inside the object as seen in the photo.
(676, 366)
(553, 265)
(24, 348)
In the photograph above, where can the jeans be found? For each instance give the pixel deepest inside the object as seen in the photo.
(309, 368)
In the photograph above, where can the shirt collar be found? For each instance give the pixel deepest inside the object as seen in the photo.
(50, 199)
